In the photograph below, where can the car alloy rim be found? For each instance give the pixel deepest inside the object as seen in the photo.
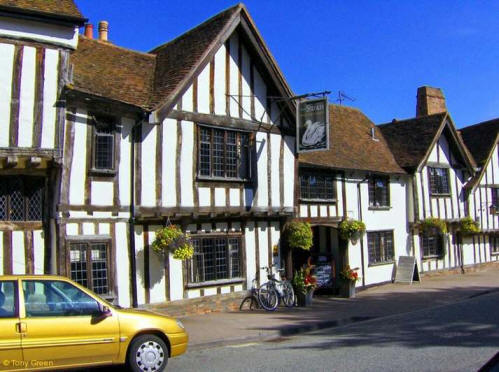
(150, 356)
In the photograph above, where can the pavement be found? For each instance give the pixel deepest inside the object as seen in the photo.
(243, 327)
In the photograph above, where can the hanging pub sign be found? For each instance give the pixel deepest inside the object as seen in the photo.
(312, 125)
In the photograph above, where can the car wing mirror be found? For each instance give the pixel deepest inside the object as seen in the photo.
(105, 311)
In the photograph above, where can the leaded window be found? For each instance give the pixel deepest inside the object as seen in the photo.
(89, 265)
(215, 258)
(21, 198)
(380, 247)
(431, 244)
(494, 244)
(104, 144)
(379, 192)
(495, 198)
(317, 186)
(439, 181)
(223, 154)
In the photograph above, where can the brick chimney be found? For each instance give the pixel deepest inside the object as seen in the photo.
(430, 101)
(89, 30)
(103, 30)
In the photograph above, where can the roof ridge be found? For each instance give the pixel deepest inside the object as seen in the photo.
(491, 121)
(106, 43)
(195, 28)
(397, 121)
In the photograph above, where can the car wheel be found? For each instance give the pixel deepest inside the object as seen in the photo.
(148, 353)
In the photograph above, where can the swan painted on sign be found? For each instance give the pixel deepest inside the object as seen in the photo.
(314, 133)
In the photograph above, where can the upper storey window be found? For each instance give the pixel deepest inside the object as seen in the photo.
(439, 181)
(224, 154)
(104, 136)
(21, 198)
(317, 186)
(379, 192)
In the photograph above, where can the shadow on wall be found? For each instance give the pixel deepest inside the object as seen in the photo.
(156, 263)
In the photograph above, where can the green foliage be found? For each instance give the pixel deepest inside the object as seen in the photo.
(299, 282)
(299, 235)
(468, 226)
(350, 227)
(171, 239)
(433, 223)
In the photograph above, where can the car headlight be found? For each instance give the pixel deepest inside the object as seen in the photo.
(180, 324)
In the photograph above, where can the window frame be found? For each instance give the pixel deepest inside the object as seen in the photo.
(317, 173)
(16, 298)
(109, 271)
(494, 198)
(372, 183)
(26, 182)
(439, 244)
(378, 235)
(494, 245)
(190, 283)
(111, 124)
(437, 192)
(248, 148)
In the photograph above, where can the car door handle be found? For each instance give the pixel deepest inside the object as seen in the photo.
(21, 327)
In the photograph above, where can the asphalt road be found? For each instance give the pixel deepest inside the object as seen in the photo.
(458, 337)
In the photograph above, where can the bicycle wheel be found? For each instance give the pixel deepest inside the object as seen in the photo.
(249, 303)
(288, 294)
(267, 296)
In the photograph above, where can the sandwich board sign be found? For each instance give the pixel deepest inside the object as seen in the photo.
(407, 270)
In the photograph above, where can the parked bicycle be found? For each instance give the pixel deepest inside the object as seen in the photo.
(283, 287)
(270, 294)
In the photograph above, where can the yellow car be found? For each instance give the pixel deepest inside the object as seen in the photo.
(51, 322)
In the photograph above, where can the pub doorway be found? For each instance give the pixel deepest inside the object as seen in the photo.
(327, 255)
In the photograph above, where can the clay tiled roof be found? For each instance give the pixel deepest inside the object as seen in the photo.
(105, 70)
(480, 139)
(352, 146)
(177, 58)
(409, 140)
(52, 8)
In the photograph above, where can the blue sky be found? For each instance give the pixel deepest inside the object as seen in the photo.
(378, 52)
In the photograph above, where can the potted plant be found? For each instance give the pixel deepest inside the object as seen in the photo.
(467, 226)
(304, 284)
(171, 239)
(299, 235)
(348, 277)
(351, 229)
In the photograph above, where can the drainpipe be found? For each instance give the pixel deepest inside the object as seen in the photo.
(131, 221)
(359, 206)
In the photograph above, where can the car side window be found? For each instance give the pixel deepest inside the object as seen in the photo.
(44, 298)
(8, 302)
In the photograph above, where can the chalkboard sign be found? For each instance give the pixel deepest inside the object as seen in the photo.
(407, 270)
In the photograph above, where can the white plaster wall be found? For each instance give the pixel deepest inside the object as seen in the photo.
(102, 193)
(246, 89)
(176, 279)
(27, 97)
(220, 197)
(260, 97)
(72, 229)
(140, 269)
(148, 174)
(50, 76)
(186, 181)
(123, 263)
(234, 73)
(275, 236)
(53, 34)
(261, 150)
(204, 194)
(104, 229)
(275, 147)
(263, 247)
(88, 228)
(77, 169)
(219, 81)
(125, 158)
(204, 90)
(18, 256)
(234, 195)
(169, 189)
(187, 99)
(289, 170)
(156, 272)
(249, 235)
(6, 69)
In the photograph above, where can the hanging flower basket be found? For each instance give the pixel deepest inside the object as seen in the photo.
(433, 223)
(352, 229)
(468, 226)
(171, 239)
(299, 235)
